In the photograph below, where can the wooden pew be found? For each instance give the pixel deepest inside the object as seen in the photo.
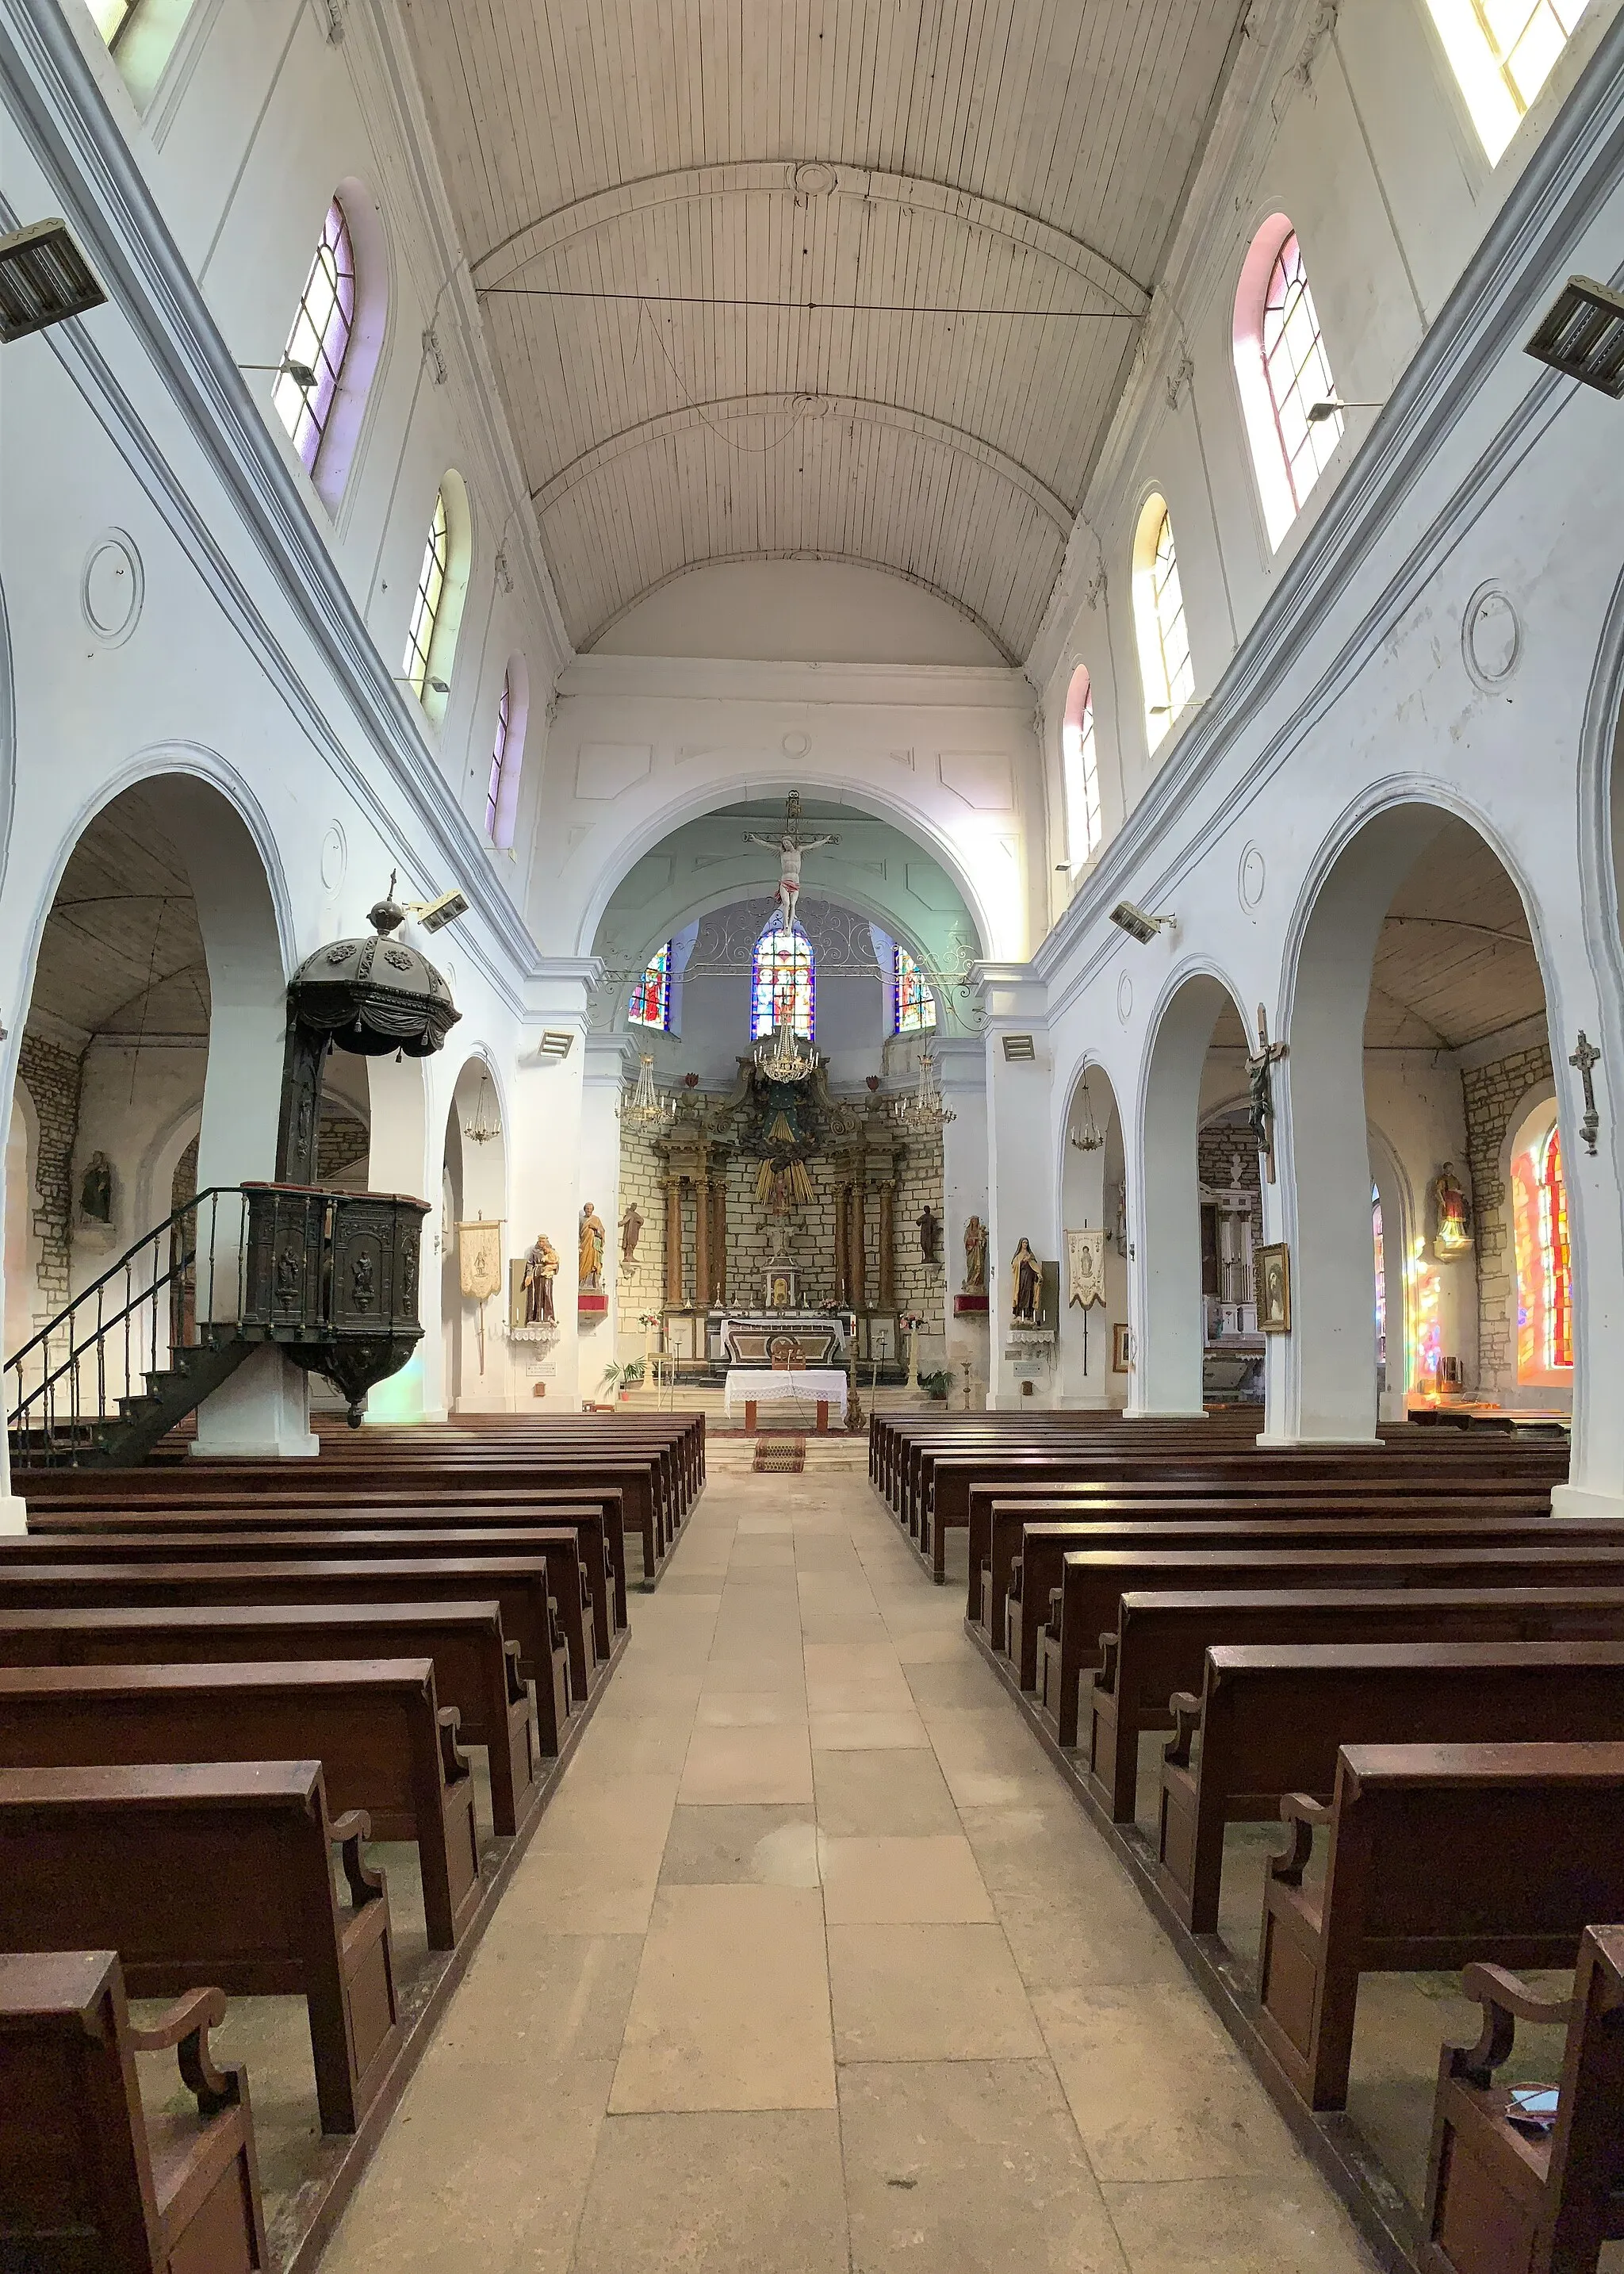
(445, 1487)
(86, 2181)
(518, 1584)
(1270, 1720)
(998, 1514)
(476, 1668)
(1160, 1643)
(1094, 1580)
(154, 1544)
(225, 1870)
(387, 1745)
(597, 1523)
(1344, 1520)
(1438, 1856)
(1497, 2201)
(1180, 1466)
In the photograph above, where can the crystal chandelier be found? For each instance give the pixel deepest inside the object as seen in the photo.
(924, 1109)
(646, 1108)
(780, 1058)
(482, 1128)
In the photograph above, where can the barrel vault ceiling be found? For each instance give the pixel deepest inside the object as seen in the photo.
(836, 172)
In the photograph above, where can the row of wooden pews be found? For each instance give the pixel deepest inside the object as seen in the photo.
(221, 1684)
(1402, 1657)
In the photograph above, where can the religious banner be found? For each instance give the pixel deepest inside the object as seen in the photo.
(1086, 1258)
(479, 1256)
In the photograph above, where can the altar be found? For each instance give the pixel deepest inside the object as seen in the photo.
(791, 1397)
(747, 1337)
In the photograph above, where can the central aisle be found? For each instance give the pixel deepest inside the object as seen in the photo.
(812, 1966)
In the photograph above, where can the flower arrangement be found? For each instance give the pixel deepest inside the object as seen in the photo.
(648, 1318)
(911, 1323)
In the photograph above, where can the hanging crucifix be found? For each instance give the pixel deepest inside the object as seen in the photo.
(789, 845)
(1261, 1065)
(1584, 1060)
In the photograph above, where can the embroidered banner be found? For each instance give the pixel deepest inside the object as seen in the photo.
(1085, 1257)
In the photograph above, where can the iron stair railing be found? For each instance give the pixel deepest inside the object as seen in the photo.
(180, 1286)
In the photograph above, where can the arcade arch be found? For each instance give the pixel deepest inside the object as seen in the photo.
(1094, 1195)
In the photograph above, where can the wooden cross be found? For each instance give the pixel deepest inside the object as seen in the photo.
(1583, 1060)
(1260, 1071)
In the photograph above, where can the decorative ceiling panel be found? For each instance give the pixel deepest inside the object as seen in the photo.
(852, 278)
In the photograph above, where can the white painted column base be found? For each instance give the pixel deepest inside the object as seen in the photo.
(1370, 1444)
(262, 1412)
(13, 1515)
(1579, 1500)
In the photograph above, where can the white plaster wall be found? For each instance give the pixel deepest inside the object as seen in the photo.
(797, 612)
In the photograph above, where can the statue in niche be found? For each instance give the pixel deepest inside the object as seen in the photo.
(631, 1232)
(95, 1193)
(1454, 1235)
(540, 1265)
(975, 1257)
(929, 1236)
(592, 1236)
(1027, 1275)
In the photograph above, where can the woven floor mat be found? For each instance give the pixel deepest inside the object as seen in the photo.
(783, 1456)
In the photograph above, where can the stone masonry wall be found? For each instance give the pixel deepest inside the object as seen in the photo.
(53, 1076)
(1491, 1093)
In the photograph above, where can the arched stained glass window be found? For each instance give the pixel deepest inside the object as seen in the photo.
(425, 603)
(914, 1006)
(1380, 1244)
(781, 993)
(1502, 52)
(1545, 1261)
(651, 996)
(319, 341)
(1299, 372)
(499, 760)
(1080, 766)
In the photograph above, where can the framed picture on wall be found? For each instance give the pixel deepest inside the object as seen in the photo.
(1122, 1349)
(1272, 1278)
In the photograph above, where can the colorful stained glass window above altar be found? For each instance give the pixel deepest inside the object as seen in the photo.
(783, 983)
(913, 1004)
(650, 1003)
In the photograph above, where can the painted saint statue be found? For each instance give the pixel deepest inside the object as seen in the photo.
(1028, 1275)
(540, 1265)
(591, 1257)
(975, 1257)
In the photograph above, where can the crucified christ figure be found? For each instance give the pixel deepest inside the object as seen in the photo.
(789, 846)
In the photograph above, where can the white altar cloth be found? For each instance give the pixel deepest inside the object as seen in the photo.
(801, 1386)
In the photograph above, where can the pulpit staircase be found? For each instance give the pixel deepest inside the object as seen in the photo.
(331, 1277)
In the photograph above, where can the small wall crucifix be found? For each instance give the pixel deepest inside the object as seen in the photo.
(1583, 1059)
(1261, 1065)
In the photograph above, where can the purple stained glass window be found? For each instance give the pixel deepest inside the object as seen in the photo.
(313, 359)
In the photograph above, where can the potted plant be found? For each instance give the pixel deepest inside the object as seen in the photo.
(625, 1378)
(936, 1385)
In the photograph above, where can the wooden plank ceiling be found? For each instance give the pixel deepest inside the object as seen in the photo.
(122, 954)
(842, 167)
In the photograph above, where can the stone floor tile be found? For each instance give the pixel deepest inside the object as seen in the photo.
(929, 1645)
(1157, 2091)
(1033, 1849)
(628, 1746)
(771, 1845)
(928, 1993)
(886, 1880)
(852, 1661)
(546, 1997)
(962, 1681)
(872, 1789)
(1278, 2224)
(968, 2165)
(773, 1763)
(1071, 1936)
(732, 2005)
(890, 1732)
(761, 2193)
(751, 1709)
(835, 1694)
(596, 1856)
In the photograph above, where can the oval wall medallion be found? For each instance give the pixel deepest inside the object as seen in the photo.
(1125, 999)
(112, 588)
(1491, 637)
(1251, 877)
(813, 178)
(334, 857)
(795, 744)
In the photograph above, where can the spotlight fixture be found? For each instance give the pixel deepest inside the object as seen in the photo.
(1583, 335)
(1139, 926)
(44, 279)
(1333, 408)
(434, 916)
(405, 679)
(303, 377)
